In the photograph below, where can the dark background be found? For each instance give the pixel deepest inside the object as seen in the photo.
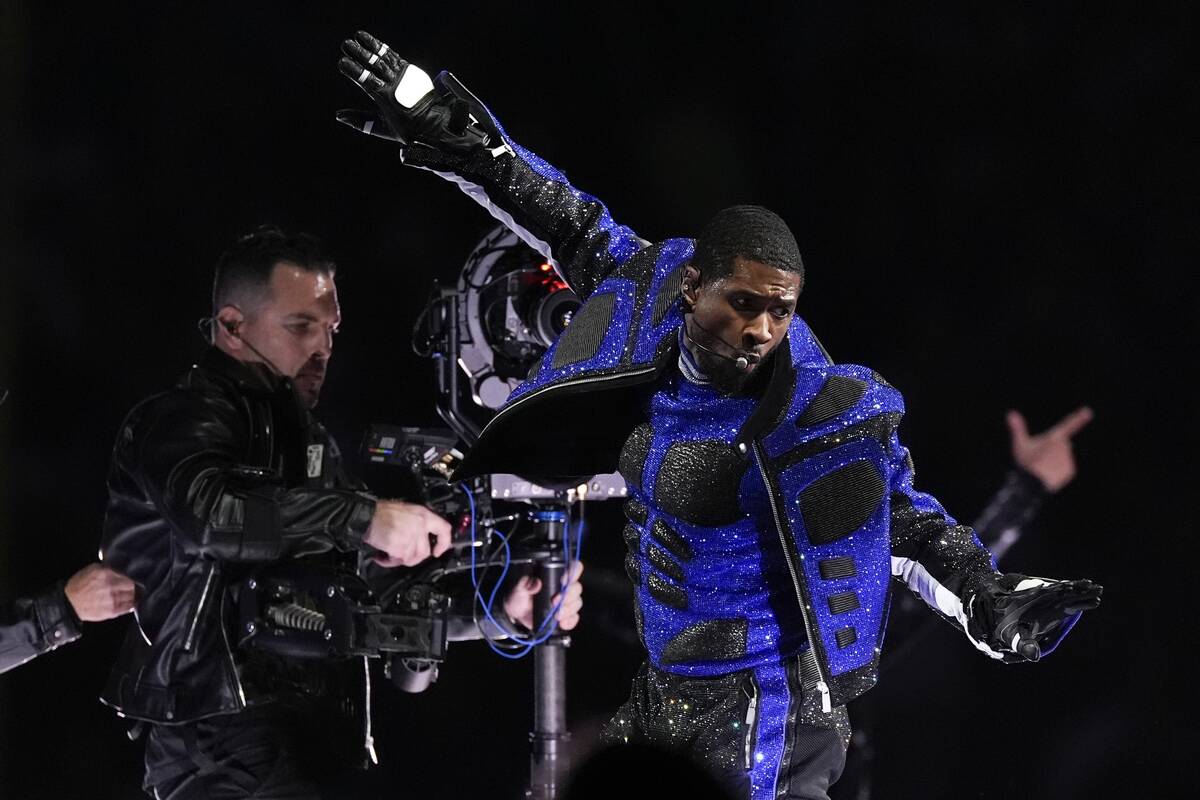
(993, 204)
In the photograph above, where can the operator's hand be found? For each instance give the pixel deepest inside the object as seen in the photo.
(1024, 618)
(98, 593)
(519, 603)
(1048, 455)
(412, 107)
(407, 534)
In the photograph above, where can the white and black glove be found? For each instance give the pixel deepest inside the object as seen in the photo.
(413, 108)
(1024, 618)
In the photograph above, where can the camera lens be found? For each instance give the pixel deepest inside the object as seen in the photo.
(553, 314)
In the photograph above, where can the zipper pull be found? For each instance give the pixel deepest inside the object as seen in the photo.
(369, 746)
(826, 705)
(368, 739)
(751, 714)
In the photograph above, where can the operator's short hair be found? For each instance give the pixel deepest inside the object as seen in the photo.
(243, 273)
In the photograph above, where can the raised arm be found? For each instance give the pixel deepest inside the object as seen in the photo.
(445, 129)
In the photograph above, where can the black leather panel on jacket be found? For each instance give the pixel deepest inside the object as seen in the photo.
(713, 640)
(837, 395)
(838, 504)
(698, 482)
(633, 457)
(206, 481)
(583, 337)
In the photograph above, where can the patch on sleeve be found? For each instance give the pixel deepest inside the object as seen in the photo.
(316, 459)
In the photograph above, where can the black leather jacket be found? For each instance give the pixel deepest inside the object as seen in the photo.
(223, 473)
(31, 626)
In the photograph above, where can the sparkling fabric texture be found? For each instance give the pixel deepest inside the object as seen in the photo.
(619, 293)
(664, 563)
(715, 640)
(834, 484)
(735, 512)
(587, 332)
(698, 482)
(672, 541)
(742, 726)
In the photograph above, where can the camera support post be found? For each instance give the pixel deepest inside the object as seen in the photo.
(549, 737)
(507, 308)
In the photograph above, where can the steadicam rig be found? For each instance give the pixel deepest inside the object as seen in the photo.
(486, 334)
(301, 612)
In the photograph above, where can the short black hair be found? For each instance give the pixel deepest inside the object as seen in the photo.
(243, 272)
(751, 232)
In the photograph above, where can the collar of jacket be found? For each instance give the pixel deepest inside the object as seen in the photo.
(775, 399)
(250, 377)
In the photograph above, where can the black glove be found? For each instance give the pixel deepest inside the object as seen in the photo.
(1024, 618)
(440, 113)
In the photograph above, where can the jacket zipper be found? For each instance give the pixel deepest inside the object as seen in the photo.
(751, 721)
(822, 684)
(191, 636)
(270, 417)
(368, 739)
(237, 682)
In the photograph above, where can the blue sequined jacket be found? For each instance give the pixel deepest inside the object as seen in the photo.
(759, 527)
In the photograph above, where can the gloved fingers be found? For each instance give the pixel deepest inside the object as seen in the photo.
(1071, 597)
(366, 122)
(1043, 603)
(1079, 608)
(1090, 588)
(370, 42)
(381, 67)
(1084, 596)
(394, 61)
(379, 50)
(360, 74)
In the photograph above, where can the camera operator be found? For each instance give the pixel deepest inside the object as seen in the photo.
(224, 473)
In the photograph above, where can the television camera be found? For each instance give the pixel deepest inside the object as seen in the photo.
(485, 336)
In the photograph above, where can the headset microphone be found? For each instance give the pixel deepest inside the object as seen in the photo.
(205, 324)
(740, 361)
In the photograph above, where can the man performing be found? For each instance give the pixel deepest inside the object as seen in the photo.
(771, 499)
(223, 474)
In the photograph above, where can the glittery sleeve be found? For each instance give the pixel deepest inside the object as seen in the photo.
(537, 202)
(935, 556)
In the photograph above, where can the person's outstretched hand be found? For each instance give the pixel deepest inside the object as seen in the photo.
(1024, 618)
(1048, 455)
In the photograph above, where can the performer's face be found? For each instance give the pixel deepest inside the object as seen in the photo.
(747, 314)
(293, 327)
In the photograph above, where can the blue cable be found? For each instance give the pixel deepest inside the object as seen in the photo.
(550, 623)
